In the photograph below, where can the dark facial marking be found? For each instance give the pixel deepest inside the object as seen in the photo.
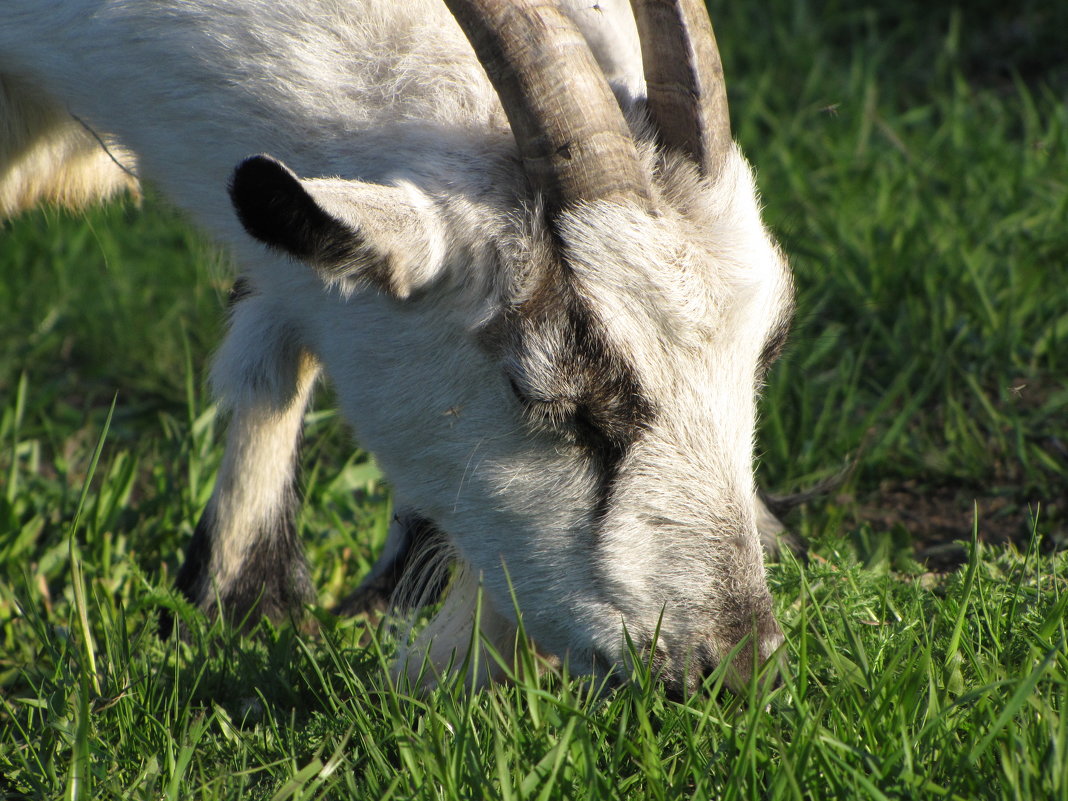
(589, 394)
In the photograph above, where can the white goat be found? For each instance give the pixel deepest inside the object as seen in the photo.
(547, 309)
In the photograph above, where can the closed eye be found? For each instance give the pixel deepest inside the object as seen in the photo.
(558, 413)
(520, 396)
(773, 348)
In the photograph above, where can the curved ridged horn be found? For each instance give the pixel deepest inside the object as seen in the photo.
(684, 77)
(571, 135)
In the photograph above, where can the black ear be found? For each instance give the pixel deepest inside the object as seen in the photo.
(277, 210)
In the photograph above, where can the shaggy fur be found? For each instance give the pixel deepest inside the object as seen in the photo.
(572, 408)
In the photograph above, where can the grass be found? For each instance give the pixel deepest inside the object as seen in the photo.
(912, 163)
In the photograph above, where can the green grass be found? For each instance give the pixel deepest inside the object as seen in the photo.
(912, 161)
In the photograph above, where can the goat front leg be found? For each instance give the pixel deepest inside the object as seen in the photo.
(245, 558)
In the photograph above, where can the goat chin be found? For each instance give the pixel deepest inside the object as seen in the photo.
(539, 283)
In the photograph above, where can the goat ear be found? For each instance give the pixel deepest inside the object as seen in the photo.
(278, 211)
(355, 234)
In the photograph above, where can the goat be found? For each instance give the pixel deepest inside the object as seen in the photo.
(547, 301)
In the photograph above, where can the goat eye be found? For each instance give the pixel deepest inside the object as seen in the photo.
(517, 391)
(547, 413)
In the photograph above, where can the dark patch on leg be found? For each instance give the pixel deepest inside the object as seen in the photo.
(273, 580)
(375, 594)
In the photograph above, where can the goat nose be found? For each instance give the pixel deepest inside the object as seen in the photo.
(761, 645)
(770, 650)
(769, 643)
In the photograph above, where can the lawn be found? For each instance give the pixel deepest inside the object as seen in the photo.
(913, 164)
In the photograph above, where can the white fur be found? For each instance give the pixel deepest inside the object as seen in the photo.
(384, 102)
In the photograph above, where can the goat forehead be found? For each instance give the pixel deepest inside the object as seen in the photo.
(686, 340)
(664, 287)
(656, 308)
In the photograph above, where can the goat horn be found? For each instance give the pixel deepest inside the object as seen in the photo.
(687, 94)
(571, 135)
